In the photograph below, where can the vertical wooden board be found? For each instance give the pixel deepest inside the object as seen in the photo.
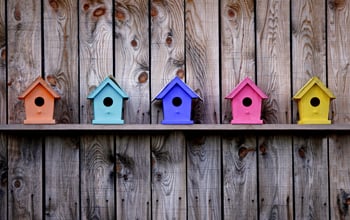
(61, 177)
(133, 170)
(237, 48)
(96, 50)
(25, 177)
(132, 58)
(24, 52)
(202, 75)
(275, 177)
(167, 48)
(240, 177)
(309, 45)
(168, 151)
(24, 153)
(338, 78)
(61, 72)
(273, 59)
(310, 153)
(169, 176)
(133, 167)
(97, 177)
(61, 57)
(3, 115)
(311, 178)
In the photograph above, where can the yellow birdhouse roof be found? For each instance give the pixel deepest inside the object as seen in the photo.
(313, 81)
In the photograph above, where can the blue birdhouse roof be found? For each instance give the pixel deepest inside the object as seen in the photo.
(108, 81)
(177, 82)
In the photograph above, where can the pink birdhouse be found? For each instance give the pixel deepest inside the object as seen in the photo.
(246, 103)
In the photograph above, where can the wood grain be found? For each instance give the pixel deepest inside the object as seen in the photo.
(132, 58)
(169, 199)
(133, 173)
(310, 153)
(25, 178)
(240, 177)
(61, 72)
(275, 177)
(273, 59)
(96, 50)
(62, 177)
(3, 115)
(311, 177)
(167, 48)
(203, 159)
(97, 177)
(338, 82)
(237, 48)
(24, 52)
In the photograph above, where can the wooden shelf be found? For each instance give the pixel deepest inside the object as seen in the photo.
(159, 128)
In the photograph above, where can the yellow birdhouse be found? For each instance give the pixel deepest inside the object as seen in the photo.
(313, 102)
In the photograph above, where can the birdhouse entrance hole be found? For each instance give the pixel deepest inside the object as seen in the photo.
(315, 101)
(177, 101)
(247, 101)
(39, 101)
(108, 101)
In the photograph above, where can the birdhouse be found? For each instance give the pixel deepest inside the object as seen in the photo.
(177, 102)
(246, 102)
(108, 99)
(39, 99)
(313, 102)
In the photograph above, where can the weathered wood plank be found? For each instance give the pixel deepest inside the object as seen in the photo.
(96, 152)
(25, 196)
(169, 199)
(167, 47)
(311, 178)
(203, 152)
(132, 58)
(25, 178)
(3, 115)
(133, 165)
(169, 177)
(310, 153)
(61, 71)
(133, 177)
(61, 177)
(240, 177)
(96, 50)
(24, 52)
(338, 81)
(273, 76)
(237, 48)
(275, 178)
(97, 177)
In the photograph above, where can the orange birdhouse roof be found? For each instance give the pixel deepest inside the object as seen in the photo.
(43, 83)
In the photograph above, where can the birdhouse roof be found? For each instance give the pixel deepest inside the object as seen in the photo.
(246, 82)
(177, 82)
(43, 83)
(108, 81)
(313, 81)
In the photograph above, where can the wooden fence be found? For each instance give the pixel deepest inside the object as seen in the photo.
(153, 174)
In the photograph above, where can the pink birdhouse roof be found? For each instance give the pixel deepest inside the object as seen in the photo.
(34, 84)
(246, 82)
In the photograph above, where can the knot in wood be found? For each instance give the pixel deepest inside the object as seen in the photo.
(3, 54)
(99, 12)
(54, 5)
(302, 152)
(169, 40)
(133, 43)
(242, 152)
(263, 149)
(120, 15)
(154, 11)
(86, 7)
(143, 77)
(180, 73)
(17, 184)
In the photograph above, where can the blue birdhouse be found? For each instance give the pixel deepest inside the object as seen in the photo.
(177, 102)
(108, 100)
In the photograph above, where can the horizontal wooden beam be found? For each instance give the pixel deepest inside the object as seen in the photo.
(272, 129)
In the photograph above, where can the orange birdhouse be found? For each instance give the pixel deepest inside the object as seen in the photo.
(39, 99)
